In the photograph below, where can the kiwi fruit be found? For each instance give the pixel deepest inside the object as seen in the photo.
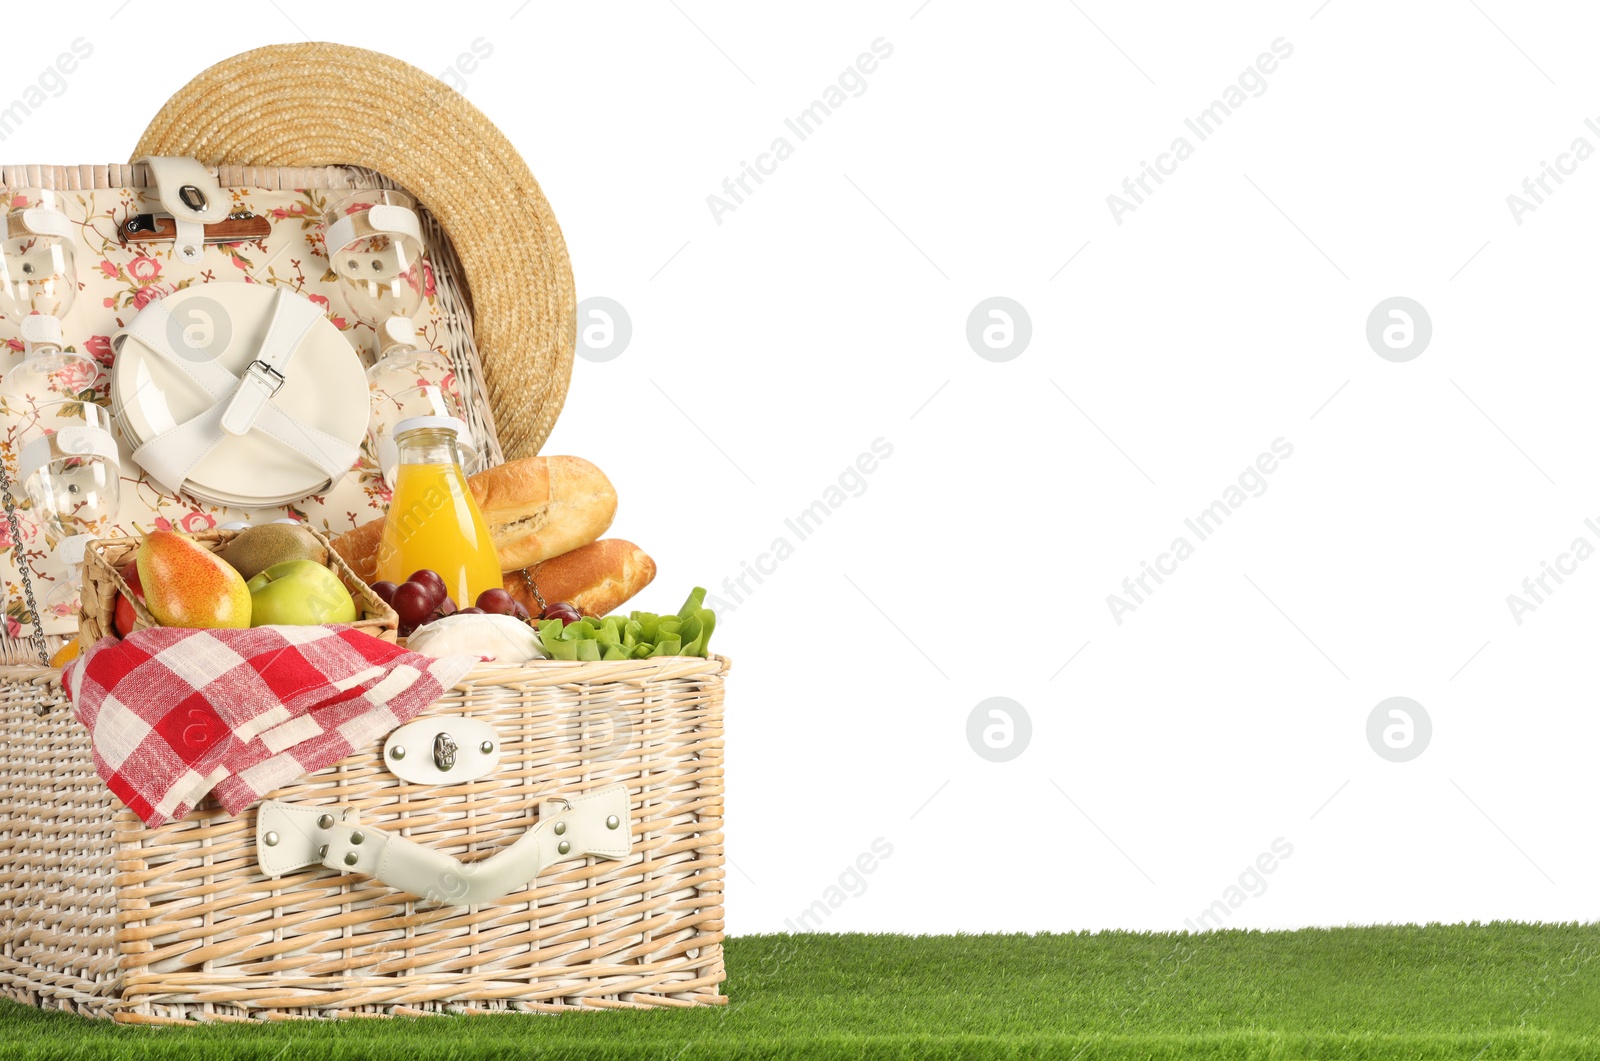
(257, 548)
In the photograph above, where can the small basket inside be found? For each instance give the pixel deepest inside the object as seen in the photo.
(103, 583)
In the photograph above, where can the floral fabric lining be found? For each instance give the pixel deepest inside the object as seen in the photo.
(115, 281)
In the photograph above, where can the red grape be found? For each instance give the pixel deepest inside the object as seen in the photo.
(471, 611)
(561, 610)
(437, 591)
(496, 602)
(412, 603)
(384, 591)
(447, 608)
(521, 612)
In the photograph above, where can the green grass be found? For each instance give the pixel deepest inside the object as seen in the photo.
(1460, 992)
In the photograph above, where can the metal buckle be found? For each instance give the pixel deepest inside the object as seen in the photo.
(262, 372)
(192, 197)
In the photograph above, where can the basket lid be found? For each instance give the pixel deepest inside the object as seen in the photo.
(322, 104)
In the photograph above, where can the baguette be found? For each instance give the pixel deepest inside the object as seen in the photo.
(536, 508)
(595, 579)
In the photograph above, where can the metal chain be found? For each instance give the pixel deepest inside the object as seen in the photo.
(527, 577)
(39, 640)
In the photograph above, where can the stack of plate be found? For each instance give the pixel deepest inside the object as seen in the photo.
(324, 387)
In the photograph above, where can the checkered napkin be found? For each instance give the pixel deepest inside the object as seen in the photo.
(177, 713)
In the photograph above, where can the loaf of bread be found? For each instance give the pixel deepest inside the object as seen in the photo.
(596, 579)
(536, 508)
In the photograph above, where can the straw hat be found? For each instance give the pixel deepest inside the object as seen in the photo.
(329, 104)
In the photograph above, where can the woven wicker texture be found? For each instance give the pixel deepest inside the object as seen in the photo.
(103, 584)
(105, 917)
(330, 104)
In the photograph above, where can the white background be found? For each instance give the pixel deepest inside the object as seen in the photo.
(1229, 310)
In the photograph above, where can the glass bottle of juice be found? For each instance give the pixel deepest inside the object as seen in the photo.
(433, 520)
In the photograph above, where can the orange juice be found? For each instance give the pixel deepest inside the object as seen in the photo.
(433, 520)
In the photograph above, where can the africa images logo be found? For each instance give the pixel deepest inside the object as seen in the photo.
(1253, 80)
(852, 80)
(1252, 482)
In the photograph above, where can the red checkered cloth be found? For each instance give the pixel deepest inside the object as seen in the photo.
(177, 713)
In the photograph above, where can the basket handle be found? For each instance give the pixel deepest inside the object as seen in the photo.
(291, 836)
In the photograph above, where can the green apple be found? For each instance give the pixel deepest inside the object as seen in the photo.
(299, 593)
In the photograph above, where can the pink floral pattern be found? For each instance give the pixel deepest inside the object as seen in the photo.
(143, 296)
(99, 348)
(195, 520)
(338, 321)
(115, 282)
(76, 376)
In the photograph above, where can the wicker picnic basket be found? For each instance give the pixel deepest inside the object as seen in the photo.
(179, 924)
(110, 919)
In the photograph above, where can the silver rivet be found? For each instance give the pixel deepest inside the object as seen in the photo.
(322, 852)
(561, 827)
(612, 822)
(563, 847)
(487, 747)
(351, 859)
(271, 839)
(356, 838)
(325, 822)
(397, 753)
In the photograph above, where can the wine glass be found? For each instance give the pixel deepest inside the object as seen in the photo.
(374, 243)
(38, 283)
(69, 466)
(391, 406)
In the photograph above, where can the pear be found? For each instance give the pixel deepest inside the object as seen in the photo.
(187, 585)
(258, 548)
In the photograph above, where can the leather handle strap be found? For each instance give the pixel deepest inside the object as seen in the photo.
(290, 837)
(187, 190)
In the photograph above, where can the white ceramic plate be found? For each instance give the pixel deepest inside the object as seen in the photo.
(325, 387)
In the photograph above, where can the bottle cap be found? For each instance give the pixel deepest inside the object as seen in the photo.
(444, 423)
